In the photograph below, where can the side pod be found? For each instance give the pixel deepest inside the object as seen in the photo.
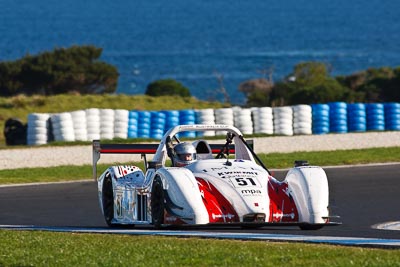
(310, 191)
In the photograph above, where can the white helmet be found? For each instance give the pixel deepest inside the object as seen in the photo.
(184, 154)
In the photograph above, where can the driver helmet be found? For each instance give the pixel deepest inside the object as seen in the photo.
(184, 154)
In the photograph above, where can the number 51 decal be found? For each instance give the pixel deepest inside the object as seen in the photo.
(247, 181)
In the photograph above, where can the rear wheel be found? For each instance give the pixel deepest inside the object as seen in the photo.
(108, 199)
(157, 202)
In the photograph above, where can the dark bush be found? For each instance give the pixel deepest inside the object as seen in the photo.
(74, 69)
(167, 87)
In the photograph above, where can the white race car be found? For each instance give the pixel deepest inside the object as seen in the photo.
(223, 184)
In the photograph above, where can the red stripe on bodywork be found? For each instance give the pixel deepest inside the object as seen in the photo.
(219, 208)
(281, 207)
(129, 151)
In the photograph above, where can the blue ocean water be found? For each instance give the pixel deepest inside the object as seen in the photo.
(195, 41)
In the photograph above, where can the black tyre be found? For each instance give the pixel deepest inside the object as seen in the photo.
(157, 202)
(108, 200)
(308, 226)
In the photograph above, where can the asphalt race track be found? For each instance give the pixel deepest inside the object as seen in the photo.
(362, 196)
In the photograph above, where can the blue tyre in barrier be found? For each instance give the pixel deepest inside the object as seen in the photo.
(132, 134)
(133, 118)
(187, 116)
(338, 117)
(320, 118)
(375, 117)
(392, 116)
(356, 117)
(171, 119)
(133, 114)
(320, 129)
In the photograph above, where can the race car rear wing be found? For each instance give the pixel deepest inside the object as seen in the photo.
(141, 149)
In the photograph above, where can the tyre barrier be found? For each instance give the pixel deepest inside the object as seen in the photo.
(302, 119)
(171, 119)
(79, 125)
(223, 116)
(320, 118)
(38, 129)
(15, 132)
(144, 124)
(157, 122)
(107, 117)
(133, 124)
(187, 117)
(94, 124)
(337, 117)
(356, 117)
(283, 120)
(263, 120)
(62, 127)
(392, 116)
(205, 116)
(375, 117)
(243, 120)
(121, 123)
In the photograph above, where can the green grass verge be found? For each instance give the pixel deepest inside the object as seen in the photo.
(65, 249)
(273, 161)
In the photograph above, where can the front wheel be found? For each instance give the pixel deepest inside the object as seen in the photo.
(157, 202)
(108, 200)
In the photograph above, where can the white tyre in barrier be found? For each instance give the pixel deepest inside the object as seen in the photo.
(265, 110)
(302, 108)
(223, 111)
(121, 115)
(106, 130)
(121, 135)
(284, 115)
(119, 125)
(106, 136)
(93, 136)
(107, 112)
(63, 128)
(38, 116)
(37, 130)
(301, 124)
(286, 131)
(283, 121)
(303, 119)
(38, 123)
(305, 131)
(92, 112)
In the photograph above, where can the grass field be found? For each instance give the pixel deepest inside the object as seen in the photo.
(21, 248)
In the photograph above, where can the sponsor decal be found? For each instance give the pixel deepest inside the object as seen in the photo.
(223, 216)
(251, 192)
(229, 169)
(280, 216)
